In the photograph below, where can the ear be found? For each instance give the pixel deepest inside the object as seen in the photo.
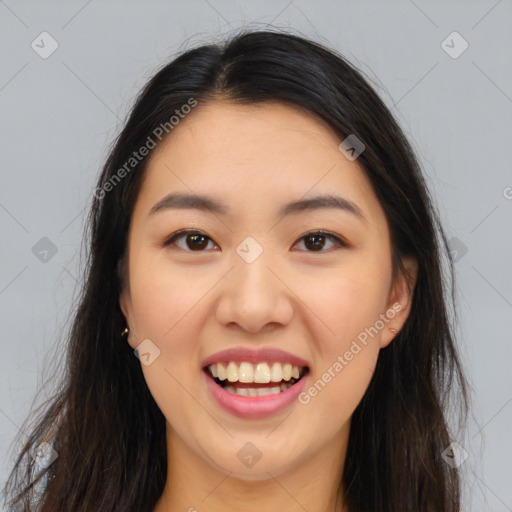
(400, 301)
(125, 303)
(125, 300)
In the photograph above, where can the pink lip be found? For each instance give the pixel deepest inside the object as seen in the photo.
(253, 407)
(250, 355)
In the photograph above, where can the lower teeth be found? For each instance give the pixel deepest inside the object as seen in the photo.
(253, 392)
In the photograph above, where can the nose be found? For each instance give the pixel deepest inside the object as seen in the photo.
(255, 296)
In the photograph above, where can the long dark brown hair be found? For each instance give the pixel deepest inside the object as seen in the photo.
(103, 422)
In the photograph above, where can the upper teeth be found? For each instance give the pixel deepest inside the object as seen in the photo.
(259, 373)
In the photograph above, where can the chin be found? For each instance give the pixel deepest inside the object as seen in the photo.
(251, 465)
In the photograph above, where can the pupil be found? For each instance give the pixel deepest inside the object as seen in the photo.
(195, 238)
(315, 244)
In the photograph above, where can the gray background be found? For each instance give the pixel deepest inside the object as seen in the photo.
(59, 115)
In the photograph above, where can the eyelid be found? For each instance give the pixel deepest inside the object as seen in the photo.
(337, 239)
(183, 232)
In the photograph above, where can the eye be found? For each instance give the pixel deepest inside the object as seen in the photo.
(195, 240)
(316, 240)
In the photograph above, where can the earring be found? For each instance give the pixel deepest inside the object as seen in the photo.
(393, 330)
(126, 330)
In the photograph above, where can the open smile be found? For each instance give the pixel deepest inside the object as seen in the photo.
(255, 390)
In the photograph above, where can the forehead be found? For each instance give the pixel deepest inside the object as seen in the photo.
(223, 129)
(252, 156)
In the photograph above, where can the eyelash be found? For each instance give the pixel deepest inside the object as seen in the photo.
(337, 240)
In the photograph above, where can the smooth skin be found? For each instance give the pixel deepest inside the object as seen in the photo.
(311, 302)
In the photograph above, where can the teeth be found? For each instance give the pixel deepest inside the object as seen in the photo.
(276, 374)
(221, 372)
(253, 392)
(260, 373)
(246, 373)
(232, 372)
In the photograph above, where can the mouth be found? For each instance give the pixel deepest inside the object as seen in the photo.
(255, 380)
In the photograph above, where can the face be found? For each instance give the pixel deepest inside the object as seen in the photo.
(289, 304)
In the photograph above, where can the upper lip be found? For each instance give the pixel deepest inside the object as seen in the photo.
(251, 355)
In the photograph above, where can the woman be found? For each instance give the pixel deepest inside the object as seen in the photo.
(263, 323)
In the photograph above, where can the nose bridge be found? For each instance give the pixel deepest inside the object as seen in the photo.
(252, 275)
(254, 295)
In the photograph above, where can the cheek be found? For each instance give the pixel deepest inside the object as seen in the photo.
(349, 305)
(169, 309)
(345, 304)
(165, 298)
(331, 397)
(166, 312)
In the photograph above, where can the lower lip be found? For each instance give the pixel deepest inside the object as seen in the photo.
(248, 407)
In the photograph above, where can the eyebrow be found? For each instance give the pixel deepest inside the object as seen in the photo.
(183, 201)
